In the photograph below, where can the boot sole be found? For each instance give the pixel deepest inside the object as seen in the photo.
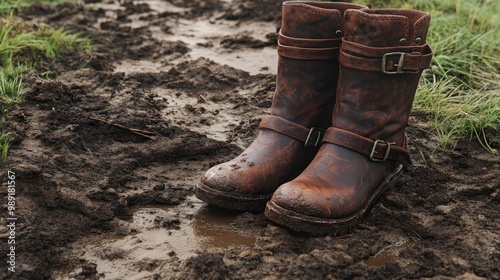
(232, 201)
(322, 226)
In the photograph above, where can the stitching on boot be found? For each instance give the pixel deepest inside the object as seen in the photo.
(421, 21)
(318, 10)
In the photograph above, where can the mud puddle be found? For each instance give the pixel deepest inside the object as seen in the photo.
(156, 235)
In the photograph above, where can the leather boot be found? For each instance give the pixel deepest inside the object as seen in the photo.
(382, 58)
(288, 138)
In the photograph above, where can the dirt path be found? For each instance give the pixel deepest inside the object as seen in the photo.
(107, 154)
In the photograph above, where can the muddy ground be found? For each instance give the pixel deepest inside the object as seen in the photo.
(108, 150)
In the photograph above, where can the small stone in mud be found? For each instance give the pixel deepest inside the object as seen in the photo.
(444, 209)
(274, 230)
(272, 245)
(267, 253)
(245, 253)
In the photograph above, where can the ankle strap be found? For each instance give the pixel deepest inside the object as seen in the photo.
(311, 137)
(378, 150)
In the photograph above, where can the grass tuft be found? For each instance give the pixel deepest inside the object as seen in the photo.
(21, 47)
(456, 112)
(461, 91)
(7, 6)
(11, 90)
(4, 146)
(56, 42)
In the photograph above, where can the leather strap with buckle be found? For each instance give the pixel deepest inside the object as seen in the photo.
(393, 60)
(377, 151)
(310, 136)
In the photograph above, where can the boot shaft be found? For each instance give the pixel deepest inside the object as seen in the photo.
(387, 27)
(382, 58)
(314, 20)
(308, 46)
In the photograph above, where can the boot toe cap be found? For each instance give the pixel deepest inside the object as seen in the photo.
(224, 177)
(294, 196)
(308, 199)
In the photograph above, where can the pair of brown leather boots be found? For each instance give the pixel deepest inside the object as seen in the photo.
(335, 138)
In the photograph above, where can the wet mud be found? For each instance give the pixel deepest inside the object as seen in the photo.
(107, 152)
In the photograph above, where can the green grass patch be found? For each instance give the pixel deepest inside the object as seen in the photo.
(461, 91)
(21, 47)
(4, 146)
(8, 5)
(11, 90)
(456, 111)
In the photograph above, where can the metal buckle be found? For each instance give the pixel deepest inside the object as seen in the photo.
(318, 133)
(387, 151)
(399, 65)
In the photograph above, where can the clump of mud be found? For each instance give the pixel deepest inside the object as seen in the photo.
(108, 151)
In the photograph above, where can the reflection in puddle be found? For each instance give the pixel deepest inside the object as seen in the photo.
(213, 227)
(155, 234)
(210, 228)
(389, 254)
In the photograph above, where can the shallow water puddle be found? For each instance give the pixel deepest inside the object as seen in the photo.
(155, 234)
(214, 228)
(389, 254)
(191, 228)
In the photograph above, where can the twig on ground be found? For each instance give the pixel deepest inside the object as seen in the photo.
(143, 133)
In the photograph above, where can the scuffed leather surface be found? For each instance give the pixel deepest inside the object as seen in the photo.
(340, 182)
(314, 20)
(305, 94)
